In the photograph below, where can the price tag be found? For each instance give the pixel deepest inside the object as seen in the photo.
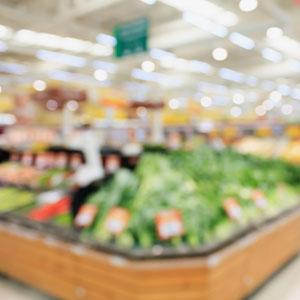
(169, 224)
(259, 199)
(75, 161)
(112, 164)
(232, 208)
(117, 220)
(86, 215)
(41, 161)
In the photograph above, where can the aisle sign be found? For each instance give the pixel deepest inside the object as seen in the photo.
(131, 37)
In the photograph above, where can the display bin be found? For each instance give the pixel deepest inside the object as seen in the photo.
(75, 271)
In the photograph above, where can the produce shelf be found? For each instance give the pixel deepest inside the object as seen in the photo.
(73, 271)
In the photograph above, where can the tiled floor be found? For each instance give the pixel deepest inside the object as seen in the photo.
(283, 286)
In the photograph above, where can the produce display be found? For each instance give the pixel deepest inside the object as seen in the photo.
(188, 198)
(12, 198)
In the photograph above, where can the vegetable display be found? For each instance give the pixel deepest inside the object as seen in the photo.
(186, 193)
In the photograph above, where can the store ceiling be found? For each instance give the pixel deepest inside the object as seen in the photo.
(85, 19)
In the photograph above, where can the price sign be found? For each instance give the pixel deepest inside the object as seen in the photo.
(232, 208)
(169, 224)
(117, 220)
(86, 215)
(61, 160)
(259, 199)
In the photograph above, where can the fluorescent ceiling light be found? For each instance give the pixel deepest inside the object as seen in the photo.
(62, 58)
(27, 37)
(284, 89)
(149, 2)
(294, 64)
(212, 88)
(68, 76)
(3, 46)
(106, 39)
(248, 5)
(100, 75)
(12, 68)
(242, 41)
(148, 66)
(235, 111)
(220, 54)
(50, 40)
(274, 33)
(268, 85)
(106, 66)
(231, 75)
(74, 45)
(100, 50)
(296, 94)
(5, 32)
(287, 45)
(199, 66)
(205, 9)
(161, 54)
(272, 55)
(252, 81)
(205, 24)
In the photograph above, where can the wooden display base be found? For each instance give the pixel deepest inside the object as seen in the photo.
(74, 272)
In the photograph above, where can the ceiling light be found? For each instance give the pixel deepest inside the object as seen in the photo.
(39, 85)
(274, 33)
(294, 64)
(220, 54)
(252, 81)
(3, 46)
(100, 50)
(199, 66)
(12, 68)
(7, 119)
(238, 99)
(242, 41)
(148, 66)
(72, 105)
(25, 36)
(235, 111)
(5, 32)
(228, 18)
(149, 2)
(100, 75)
(296, 94)
(205, 24)
(260, 110)
(62, 58)
(287, 109)
(275, 96)
(49, 40)
(284, 89)
(160, 54)
(248, 5)
(106, 39)
(206, 101)
(174, 103)
(268, 85)
(268, 104)
(271, 55)
(231, 75)
(106, 66)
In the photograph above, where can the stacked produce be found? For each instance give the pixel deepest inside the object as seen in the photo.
(188, 197)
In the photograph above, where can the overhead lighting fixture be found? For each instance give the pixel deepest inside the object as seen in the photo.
(287, 109)
(106, 39)
(39, 85)
(50, 40)
(27, 37)
(72, 105)
(3, 46)
(148, 66)
(206, 101)
(106, 66)
(12, 68)
(100, 75)
(220, 54)
(174, 103)
(231, 75)
(7, 119)
(161, 54)
(296, 94)
(252, 81)
(199, 66)
(100, 50)
(272, 55)
(212, 88)
(228, 19)
(287, 45)
(284, 89)
(268, 85)
(248, 5)
(268, 104)
(294, 64)
(235, 111)
(149, 2)
(62, 58)
(5, 32)
(274, 33)
(238, 98)
(205, 24)
(275, 96)
(241, 41)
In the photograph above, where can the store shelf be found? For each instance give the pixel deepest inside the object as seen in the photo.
(71, 271)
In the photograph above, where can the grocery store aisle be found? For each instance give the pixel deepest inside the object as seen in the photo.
(285, 285)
